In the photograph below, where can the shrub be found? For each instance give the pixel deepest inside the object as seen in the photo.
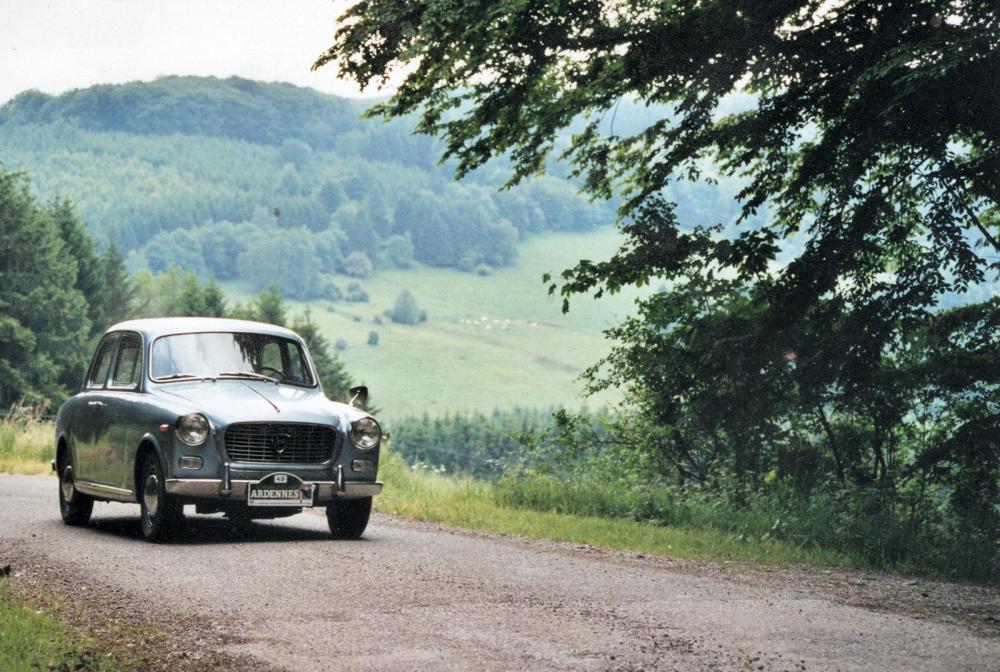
(372, 338)
(405, 310)
(356, 294)
(358, 265)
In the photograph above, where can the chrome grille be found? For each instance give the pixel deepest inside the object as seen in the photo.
(282, 443)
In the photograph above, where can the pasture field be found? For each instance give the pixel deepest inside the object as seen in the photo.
(496, 341)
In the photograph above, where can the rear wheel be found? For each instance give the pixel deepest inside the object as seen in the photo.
(162, 514)
(74, 506)
(348, 518)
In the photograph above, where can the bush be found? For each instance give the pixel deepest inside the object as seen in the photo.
(358, 265)
(405, 310)
(372, 338)
(355, 294)
(340, 345)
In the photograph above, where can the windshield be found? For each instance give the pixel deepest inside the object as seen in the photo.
(230, 355)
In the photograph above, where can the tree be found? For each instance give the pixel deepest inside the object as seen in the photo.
(358, 265)
(286, 257)
(119, 290)
(868, 126)
(90, 277)
(332, 374)
(43, 315)
(270, 306)
(405, 309)
(865, 140)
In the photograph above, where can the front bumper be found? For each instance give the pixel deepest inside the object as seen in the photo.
(212, 488)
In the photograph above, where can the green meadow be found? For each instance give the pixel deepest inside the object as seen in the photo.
(496, 341)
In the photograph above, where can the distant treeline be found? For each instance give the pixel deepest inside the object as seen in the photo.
(473, 444)
(235, 179)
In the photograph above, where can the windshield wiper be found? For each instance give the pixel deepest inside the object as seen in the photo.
(247, 374)
(178, 376)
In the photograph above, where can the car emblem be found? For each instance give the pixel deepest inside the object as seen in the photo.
(279, 442)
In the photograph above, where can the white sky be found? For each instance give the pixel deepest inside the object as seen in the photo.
(58, 45)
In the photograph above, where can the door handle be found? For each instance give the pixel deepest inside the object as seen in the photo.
(95, 403)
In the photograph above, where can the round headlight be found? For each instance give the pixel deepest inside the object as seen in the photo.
(365, 433)
(193, 429)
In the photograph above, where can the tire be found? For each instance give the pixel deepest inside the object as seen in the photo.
(348, 518)
(162, 514)
(74, 506)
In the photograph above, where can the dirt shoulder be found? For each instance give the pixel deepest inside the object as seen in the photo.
(937, 599)
(123, 624)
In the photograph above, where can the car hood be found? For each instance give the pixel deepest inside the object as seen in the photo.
(228, 401)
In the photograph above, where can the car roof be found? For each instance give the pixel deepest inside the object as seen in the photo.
(162, 326)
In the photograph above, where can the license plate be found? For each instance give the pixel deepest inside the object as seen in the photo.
(280, 490)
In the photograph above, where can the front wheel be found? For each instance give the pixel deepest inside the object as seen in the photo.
(348, 518)
(162, 514)
(74, 506)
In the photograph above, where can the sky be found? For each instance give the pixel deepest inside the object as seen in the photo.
(58, 45)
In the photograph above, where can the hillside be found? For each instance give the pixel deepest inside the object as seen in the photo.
(489, 342)
(254, 182)
(241, 180)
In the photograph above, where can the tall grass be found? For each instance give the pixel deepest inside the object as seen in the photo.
(26, 446)
(851, 523)
(427, 495)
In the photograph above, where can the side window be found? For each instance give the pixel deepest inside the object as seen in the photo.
(102, 361)
(129, 364)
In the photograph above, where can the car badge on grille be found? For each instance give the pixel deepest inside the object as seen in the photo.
(279, 442)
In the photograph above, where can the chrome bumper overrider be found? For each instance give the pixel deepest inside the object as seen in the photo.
(212, 487)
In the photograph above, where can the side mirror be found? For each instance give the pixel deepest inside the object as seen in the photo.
(359, 396)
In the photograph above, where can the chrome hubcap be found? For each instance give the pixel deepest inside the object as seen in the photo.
(151, 495)
(67, 484)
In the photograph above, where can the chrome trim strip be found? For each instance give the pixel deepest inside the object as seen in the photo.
(325, 490)
(102, 490)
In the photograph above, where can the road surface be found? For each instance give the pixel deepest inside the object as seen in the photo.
(412, 596)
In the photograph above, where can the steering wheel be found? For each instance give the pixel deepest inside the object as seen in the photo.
(278, 374)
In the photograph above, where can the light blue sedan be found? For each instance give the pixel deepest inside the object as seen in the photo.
(227, 415)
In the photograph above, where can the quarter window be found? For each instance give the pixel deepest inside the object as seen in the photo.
(129, 359)
(102, 362)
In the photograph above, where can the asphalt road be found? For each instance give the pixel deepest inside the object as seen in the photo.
(411, 596)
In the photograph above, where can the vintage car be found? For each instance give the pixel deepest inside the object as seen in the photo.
(227, 415)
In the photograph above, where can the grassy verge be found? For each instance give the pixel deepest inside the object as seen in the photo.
(428, 496)
(34, 637)
(26, 447)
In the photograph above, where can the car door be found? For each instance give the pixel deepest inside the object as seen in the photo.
(121, 399)
(90, 419)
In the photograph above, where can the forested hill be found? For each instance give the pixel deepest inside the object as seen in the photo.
(233, 108)
(236, 179)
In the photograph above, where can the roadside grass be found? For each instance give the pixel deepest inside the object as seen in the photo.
(34, 637)
(429, 496)
(26, 446)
